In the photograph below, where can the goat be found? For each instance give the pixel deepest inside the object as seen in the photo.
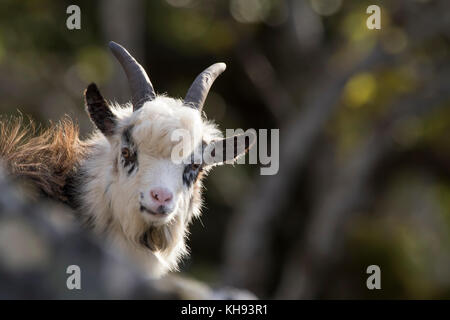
(121, 181)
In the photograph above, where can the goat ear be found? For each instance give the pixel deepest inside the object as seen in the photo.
(228, 150)
(99, 111)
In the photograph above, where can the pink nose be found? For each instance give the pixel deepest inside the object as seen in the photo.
(161, 195)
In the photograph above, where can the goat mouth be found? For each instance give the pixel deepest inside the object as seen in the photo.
(161, 211)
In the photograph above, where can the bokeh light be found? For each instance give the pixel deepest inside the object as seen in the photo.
(360, 89)
(250, 11)
(326, 7)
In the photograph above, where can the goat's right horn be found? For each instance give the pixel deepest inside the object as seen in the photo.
(199, 89)
(140, 85)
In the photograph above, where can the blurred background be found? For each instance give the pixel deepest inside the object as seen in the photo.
(364, 121)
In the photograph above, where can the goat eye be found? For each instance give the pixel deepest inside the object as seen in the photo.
(125, 153)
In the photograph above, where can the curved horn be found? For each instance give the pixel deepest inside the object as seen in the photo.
(140, 85)
(199, 89)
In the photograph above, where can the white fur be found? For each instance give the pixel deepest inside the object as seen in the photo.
(111, 199)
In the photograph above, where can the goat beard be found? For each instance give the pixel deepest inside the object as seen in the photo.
(163, 238)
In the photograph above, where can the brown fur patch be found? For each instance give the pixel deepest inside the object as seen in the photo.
(45, 157)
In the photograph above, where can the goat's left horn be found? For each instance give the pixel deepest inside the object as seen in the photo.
(199, 89)
(140, 85)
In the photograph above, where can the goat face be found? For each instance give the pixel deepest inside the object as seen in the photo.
(148, 180)
(147, 188)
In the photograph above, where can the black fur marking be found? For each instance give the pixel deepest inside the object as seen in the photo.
(190, 174)
(130, 163)
(99, 110)
(193, 169)
(133, 165)
(72, 192)
(145, 240)
(72, 188)
(127, 137)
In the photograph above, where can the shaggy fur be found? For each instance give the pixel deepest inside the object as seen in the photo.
(107, 197)
(44, 157)
(88, 175)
